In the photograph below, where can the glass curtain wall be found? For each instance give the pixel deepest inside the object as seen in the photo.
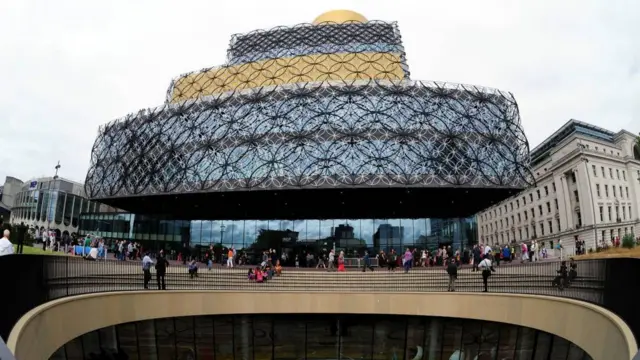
(312, 236)
(263, 337)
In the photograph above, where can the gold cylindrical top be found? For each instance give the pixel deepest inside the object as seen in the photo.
(339, 16)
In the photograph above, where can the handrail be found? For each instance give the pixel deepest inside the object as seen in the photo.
(5, 353)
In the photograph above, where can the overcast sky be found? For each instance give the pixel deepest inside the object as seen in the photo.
(68, 66)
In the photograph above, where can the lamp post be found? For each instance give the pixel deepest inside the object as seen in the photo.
(222, 227)
(593, 205)
(50, 203)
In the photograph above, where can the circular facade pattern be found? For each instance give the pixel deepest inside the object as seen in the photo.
(336, 109)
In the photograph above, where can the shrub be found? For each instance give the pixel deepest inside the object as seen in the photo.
(590, 250)
(628, 242)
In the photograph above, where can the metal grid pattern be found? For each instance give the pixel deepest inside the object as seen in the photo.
(316, 135)
(305, 39)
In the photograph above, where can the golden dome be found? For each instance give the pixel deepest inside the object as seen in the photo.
(339, 16)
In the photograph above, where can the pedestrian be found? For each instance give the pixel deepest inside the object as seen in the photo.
(487, 267)
(452, 270)
(161, 270)
(146, 269)
(367, 262)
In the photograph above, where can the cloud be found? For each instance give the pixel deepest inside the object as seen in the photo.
(69, 66)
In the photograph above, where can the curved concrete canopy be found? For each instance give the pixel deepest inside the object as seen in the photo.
(599, 332)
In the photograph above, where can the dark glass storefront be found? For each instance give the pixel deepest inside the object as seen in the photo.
(351, 235)
(262, 337)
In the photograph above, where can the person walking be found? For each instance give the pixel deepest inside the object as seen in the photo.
(486, 267)
(146, 269)
(331, 263)
(533, 250)
(367, 262)
(230, 254)
(161, 270)
(406, 260)
(452, 270)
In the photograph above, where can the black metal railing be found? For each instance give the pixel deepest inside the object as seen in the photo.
(65, 276)
(35, 279)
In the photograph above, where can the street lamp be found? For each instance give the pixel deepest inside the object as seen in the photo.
(222, 227)
(51, 204)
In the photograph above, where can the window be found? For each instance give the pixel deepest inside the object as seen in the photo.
(550, 227)
(540, 209)
(558, 224)
(531, 197)
(511, 206)
(617, 213)
(526, 215)
(538, 191)
(524, 201)
(618, 174)
(595, 172)
(553, 185)
(630, 216)
(548, 207)
(507, 221)
(546, 191)
(519, 218)
(505, 209)
(520, 233)
(624, 213)
(598, 189)
(604, 235)
(541, 229)
(513, 220)
(609, 210)
(601, 213)
(501, 224)
(627, 191)
(527, 231)
(573, 177)
(602, 168)
(518, 204)
(638, 176)
(533, 214)
(606, 190)
(621, 194)
(610, 173)
(579, 216)
(556, 201)
(614, 190)
(624, 175)
(575, 194)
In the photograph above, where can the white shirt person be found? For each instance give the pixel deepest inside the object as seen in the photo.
(6, 247)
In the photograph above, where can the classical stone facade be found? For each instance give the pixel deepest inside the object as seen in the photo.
(587, 188)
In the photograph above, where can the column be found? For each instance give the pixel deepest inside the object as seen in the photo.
(585, 194)
(567, 201)
(433, 342)
(634, 191)
(245, 338)
(562, 206)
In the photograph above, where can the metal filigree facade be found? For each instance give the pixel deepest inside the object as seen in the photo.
(324, 106)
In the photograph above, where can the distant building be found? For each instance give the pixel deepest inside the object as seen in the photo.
(47, 203)
(388, 237)
(588, 188)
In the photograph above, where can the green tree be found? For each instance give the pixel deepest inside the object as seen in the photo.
(628, 241)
